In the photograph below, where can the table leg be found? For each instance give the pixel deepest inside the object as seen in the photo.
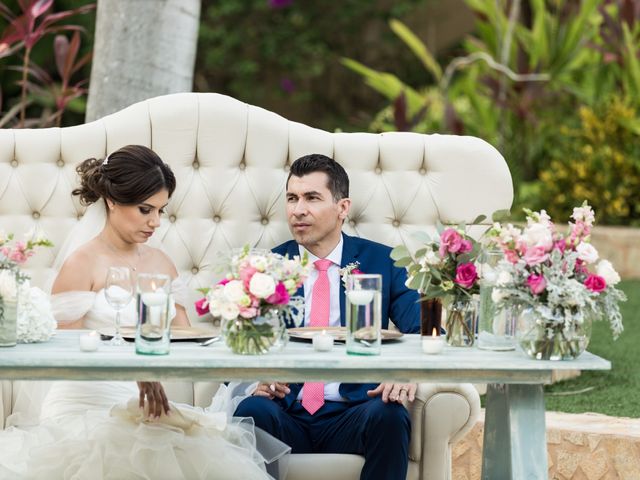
(515, 445)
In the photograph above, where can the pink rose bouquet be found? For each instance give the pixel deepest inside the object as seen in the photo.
(256, 298)
(558, 278)
(445, 269)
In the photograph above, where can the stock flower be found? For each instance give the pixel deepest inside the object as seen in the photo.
(606, 271)
(466, 274)
(595, 283)
(262, 285)
(537, 283)
(450, 241)
(538, 235)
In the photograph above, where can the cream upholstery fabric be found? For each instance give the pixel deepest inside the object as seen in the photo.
(231, 161)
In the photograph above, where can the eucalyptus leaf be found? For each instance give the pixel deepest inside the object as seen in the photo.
(400, 252)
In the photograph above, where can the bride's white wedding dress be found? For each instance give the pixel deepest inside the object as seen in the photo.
(95, 430)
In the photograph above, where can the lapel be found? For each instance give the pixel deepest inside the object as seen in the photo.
(349, 255)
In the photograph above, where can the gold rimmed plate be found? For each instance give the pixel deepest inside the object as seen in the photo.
(305, 334)
(178, 334)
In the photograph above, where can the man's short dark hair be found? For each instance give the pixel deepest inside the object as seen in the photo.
(338, 180)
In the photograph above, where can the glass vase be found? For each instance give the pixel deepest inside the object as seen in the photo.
(255, 336)
(9, 293)
(544, 339)
(460, 322)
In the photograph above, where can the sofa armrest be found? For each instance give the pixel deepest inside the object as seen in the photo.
(440, 415)
(6, 394)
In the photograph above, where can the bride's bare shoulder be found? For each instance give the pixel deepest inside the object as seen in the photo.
(76, 271)
(160, 259)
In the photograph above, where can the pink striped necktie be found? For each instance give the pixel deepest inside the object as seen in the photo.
(313, 392)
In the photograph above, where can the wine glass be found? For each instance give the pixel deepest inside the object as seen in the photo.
(118, 291)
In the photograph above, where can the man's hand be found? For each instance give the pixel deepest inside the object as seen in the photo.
(395, 392)
(156, 398)
(272, 390)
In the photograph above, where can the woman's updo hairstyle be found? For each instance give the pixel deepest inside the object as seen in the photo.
(128, 176)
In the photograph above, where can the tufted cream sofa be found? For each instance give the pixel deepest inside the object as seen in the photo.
(231, 162)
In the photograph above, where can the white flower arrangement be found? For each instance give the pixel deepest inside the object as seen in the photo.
(35, 318)
(349, 269)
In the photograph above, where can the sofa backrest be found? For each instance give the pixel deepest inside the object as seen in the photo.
(231, 163)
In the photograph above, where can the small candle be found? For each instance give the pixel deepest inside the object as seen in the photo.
(322, 342)
(154, 299)
(434, 344)
(89, 342)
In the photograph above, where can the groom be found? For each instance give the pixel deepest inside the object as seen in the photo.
(364, 419)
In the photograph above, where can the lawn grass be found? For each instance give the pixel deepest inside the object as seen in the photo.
(615, 392)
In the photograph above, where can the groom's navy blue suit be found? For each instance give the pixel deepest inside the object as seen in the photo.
(361, 425)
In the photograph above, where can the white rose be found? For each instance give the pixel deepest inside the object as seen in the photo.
(587, 252)
(538, 235)
(229, 311)
(8, 285)
(606, 271)
(262, 285)
(234, 291)
(504, 278)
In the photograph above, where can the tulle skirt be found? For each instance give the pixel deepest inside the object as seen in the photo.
(95, 430)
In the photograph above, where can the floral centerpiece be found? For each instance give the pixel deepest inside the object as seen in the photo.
(13, 254)
(444, 268)
(559, 283)
(256, 299)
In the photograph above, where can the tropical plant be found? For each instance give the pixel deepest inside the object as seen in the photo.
(26, 29)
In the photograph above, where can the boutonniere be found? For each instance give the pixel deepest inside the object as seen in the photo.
(349, 269)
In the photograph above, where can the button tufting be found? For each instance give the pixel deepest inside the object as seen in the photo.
(216, 218)
(264, 220)
(79, 216)
(352, 223)
(195, 270)
(35, 215)
(396, 223)
(60, 163)
(172, 218)
(196, 164)
(423, 171)
(242, 166)
(14, 163)
(378, 170)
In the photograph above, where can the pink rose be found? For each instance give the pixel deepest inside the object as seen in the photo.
(536, 283)
(581, 267)
(560, 245)
(466, 246)
(466, 275)
(202, 306)
(245, 275)
(280, 296)
(512, 256)
(450, 241)
(595, 283)
(224, 281)
(248, 312)
(535, 255)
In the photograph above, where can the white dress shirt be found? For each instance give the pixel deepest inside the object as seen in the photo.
(331, 391)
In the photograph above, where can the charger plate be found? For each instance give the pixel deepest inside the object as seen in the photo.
(338, 333)
(178, 334)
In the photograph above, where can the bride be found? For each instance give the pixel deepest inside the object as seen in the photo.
(117, 429)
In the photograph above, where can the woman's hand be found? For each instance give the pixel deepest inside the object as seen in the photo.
(156, 398)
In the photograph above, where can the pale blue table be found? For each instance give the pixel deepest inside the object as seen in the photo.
(514, 435)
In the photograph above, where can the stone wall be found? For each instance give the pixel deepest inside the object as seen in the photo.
(621, 246)
(580, 447)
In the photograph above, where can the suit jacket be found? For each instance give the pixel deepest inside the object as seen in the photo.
(399, 303)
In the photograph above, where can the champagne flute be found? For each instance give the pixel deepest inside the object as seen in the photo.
(118, 291)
